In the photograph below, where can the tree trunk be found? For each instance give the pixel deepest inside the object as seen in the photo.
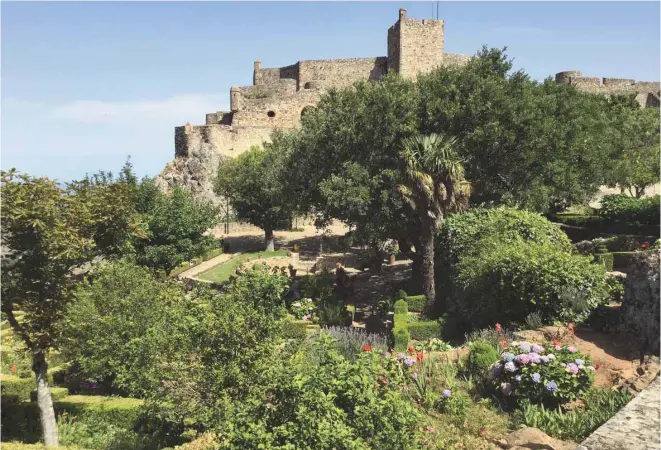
(270, 240)
(427, 257)
(640, 192)
(44, 400)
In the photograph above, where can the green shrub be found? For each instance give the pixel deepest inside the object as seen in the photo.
(472, 232)
(402, 338)
(400, 320)
(606, 260)
(401, 307)
(622, 208)
(507, 282)
(576, 425)
(400, 295)
(416, 303)
(424, 330)
(294, 329)
(615, 287)
(57, 393)
(549, 375)
(481, 357)
(20, 387)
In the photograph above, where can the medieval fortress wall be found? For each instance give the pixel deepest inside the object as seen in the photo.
(280, 96)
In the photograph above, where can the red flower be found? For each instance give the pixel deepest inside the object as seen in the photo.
(570, 327)
(645, 244)
(503, 342)
(556, 342)
(597, 367)
(483, 432)
(367, 348)
(429, 429)
(419, 356)
(13, 368)
(410, 350)
(638, 243)
(499, 329)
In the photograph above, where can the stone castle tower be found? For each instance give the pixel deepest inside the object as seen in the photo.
(280, 96)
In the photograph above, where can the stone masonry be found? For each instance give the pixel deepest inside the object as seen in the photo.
(280, 96)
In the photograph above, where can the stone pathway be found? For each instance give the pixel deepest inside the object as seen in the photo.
(634, 427)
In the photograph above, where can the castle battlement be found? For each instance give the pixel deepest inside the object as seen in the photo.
(280, 96)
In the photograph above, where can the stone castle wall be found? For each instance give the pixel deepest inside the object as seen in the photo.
(280, 96)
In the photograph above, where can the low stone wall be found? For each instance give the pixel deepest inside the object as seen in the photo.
(634, 427)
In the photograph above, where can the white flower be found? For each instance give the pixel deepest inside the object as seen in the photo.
(297, 304)
(308, 300)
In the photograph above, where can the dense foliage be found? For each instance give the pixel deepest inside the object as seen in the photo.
(622, 208)
(506, 283)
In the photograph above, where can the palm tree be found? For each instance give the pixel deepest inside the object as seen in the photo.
(433, 187)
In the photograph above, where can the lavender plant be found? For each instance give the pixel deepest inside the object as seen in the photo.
(350, 340)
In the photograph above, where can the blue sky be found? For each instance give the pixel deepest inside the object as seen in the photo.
(84, 85)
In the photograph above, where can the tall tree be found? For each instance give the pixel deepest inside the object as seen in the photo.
(258, 188)
(48, 231)
(176, 227)
(636, 167)
(433, 187)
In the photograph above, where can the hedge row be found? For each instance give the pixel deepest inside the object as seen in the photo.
(416, 303)
(400, 330)
(20, 419)
(424, 330)
(196, 261)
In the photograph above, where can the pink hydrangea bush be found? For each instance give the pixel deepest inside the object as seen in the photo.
(304, 308)
(548, 374)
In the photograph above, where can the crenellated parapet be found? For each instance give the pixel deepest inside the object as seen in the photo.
(647, 92)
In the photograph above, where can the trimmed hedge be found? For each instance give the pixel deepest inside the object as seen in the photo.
(20, 420)
(622, 208)
(19, 387)
(416, 303)
(402, 338)
(56, 393)
(401, 307)
(480, 358)
(606, 260)
(196, 261)
(424, 330)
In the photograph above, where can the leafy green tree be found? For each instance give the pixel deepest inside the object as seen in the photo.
(119, 327)
(637, 166)
(176, 227)
(433, 187)
(48, 232)
(258, 189)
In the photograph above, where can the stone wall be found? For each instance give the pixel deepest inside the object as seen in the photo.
(225, 140)
(647, 91)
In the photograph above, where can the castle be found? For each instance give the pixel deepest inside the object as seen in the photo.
(280, 96)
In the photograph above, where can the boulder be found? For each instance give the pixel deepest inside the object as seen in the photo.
(533, 438)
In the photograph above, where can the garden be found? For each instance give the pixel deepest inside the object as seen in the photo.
(470, 315)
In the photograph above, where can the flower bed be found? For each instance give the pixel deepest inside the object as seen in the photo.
(546, 374)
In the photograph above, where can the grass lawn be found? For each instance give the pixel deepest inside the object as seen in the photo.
(222, 272)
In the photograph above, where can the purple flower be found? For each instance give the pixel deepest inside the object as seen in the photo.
(572, 349)
(400, 356)
(510, 367)
(536, 377)
(572, 368)
(544, 359)
(409, 362)
(523, 359)
(517, 378)
(447, 393)
(507, 357)
(551, 386)
(524, 347)
(537, 348)
(579, 362)
(534, 358)
(496, 369)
